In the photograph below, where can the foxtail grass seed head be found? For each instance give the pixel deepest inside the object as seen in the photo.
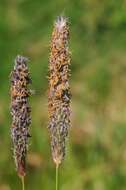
(20, 112)
(59, 91)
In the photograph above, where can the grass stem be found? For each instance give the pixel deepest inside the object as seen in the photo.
(57, 176)
(23, 184)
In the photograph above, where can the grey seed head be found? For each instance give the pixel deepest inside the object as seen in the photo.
(20, 111)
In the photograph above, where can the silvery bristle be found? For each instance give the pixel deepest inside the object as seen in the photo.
(60, 22)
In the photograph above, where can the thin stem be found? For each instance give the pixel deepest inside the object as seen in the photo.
(23, 184)
(57, 176)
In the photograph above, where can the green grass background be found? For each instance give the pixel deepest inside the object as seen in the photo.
(96, 149)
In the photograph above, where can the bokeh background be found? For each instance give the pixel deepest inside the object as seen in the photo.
(96, 148)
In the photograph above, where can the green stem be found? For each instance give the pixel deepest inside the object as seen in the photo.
(57, 177)
(23, 184)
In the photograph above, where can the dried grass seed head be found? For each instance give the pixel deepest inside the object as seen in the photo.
(20, 111)
(59, 91)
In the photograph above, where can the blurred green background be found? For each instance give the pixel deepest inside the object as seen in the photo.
(96, 149)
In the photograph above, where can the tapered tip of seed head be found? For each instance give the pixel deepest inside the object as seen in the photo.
(57, 161)
(21, 170)
(20, 59)
(60, 22)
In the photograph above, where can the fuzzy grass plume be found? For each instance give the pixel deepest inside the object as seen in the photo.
(20, 112)
(59, 90)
